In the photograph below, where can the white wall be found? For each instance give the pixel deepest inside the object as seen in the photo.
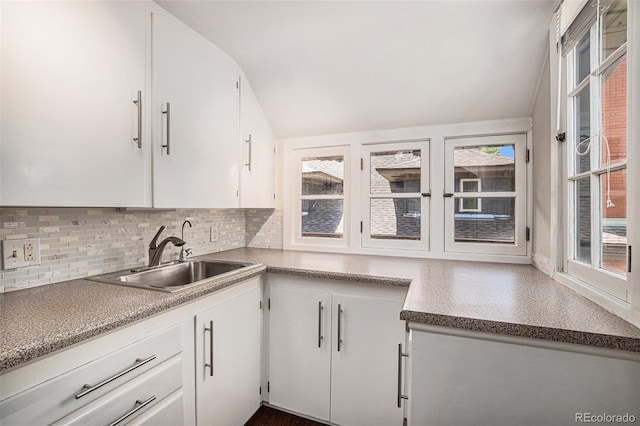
(541, 154)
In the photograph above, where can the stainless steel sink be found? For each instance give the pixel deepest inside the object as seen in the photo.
(173, 277)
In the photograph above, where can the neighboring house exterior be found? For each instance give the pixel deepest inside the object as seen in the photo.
(487, 220)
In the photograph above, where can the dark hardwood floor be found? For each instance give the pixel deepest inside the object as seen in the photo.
(267, 416)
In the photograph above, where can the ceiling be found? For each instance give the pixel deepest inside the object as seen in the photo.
(321, 67)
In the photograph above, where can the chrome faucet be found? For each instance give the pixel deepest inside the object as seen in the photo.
(155, 251)
(184, 253)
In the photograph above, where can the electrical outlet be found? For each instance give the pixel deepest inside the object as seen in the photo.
(20, 253)
(213, 233)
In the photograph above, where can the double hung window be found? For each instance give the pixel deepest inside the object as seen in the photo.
(597, 152)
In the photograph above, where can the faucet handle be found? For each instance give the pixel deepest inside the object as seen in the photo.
(184, 254)
(153, 243)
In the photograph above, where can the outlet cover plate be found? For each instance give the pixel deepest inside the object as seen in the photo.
(20, 253)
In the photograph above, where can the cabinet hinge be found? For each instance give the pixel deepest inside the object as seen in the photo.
(361, 225)
(261, 304)
(404, 422)
(362, 164)
(268, 387)
(274, 195)
(237, 193)
(561, 137)
(237, 84)
(528, 234)
(260, 390)
(528, 157)
(269, 304)
(629, 259)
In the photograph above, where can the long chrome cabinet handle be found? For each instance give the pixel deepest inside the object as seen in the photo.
(400, 395)
(139, 406)
(339, 327)
(168, 144)
(320, 324)
(138, 103)
(90, 388)
(250, 142)
(210, 364)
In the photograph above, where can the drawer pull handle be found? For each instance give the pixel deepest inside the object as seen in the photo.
(339, 327)
(400, 355)
(90, 388)
(139, 406)
(320, 324)
(210, 364)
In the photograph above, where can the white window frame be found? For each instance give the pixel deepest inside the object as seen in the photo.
(367, 241)
(478, 201)
(603, 280)
(519, 247)
(295, 200)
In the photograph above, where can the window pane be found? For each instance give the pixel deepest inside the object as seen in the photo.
(395, 218)
(583, 220)
(485, 168)
(583, 129)
(614, 113)
(614, 221)
(583, 56)
(323, 176)
(397, 171)
(322, 218)
(614, 27)
(493, 223)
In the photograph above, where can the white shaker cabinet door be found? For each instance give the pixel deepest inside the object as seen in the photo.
(195, 119)
(70, 74)
(364, 365)
(257, 179)
(228, 379)
(300, 351)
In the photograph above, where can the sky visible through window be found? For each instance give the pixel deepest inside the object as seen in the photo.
(507, 151)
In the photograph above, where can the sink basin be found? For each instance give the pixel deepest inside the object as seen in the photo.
(173, 277)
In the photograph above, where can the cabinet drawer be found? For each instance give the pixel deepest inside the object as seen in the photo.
(169, 412)
(66, 393)
(131, 399)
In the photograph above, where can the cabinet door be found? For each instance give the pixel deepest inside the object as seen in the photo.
(70, 74)
(199, 168)
(364, 368)
(228, 391)
(300, 351)
(257, 179)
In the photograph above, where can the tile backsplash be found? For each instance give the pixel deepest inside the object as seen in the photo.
(79, 242)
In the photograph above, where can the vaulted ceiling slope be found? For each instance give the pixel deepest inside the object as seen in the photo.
(321, 67)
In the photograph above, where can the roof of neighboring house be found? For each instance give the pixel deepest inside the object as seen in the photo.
(474, 157)
(327, 167)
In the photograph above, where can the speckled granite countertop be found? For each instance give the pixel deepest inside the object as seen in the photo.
(515, 300)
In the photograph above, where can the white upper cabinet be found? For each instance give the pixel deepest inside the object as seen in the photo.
(257, 143)
(73, 132)
(70, 74)
(195, 119)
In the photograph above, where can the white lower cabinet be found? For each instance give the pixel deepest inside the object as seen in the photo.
(103, 388)
(300, 350)
(333, 350)
(462, 378)
(228, 360)
(130, 399)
